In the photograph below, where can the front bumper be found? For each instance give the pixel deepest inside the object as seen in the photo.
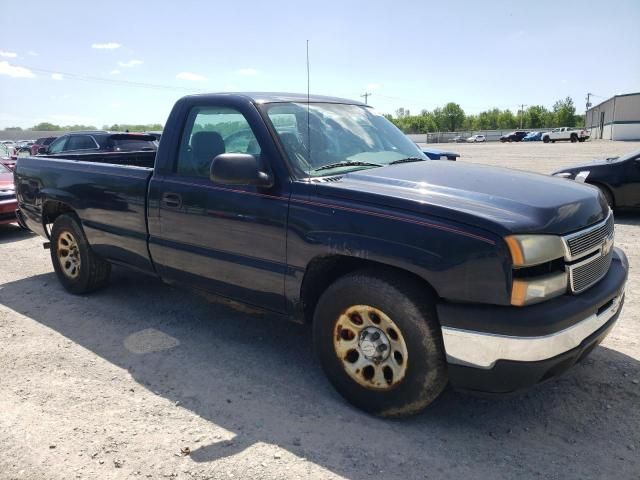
(514, 347)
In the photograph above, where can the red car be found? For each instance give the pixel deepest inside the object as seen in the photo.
(8, 201)
(41, 142)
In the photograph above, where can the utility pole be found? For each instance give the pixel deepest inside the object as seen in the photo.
(522, 114)
(366, 96)
(588, 105)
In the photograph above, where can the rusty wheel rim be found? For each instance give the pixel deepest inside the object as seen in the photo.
(69, 255)
(370, 347)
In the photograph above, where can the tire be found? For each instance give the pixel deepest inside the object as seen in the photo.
(581, 140)
(79, 270)
(545, 139)
(553, 141)
(574, 138)
(416, 353)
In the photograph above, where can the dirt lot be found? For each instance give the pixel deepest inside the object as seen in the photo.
(115, 384)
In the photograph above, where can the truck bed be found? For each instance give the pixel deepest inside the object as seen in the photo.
(137, 159)
(109, 198)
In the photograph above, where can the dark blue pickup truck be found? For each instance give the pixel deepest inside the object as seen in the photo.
(414, 273)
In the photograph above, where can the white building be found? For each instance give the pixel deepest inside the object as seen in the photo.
(615, 119)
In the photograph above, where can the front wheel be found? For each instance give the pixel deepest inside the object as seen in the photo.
(574, 138)
(78, 268)
(380, 343)
(545, 139)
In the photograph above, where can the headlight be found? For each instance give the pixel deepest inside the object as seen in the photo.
(537, 289)
(529, 250)
(535, 261)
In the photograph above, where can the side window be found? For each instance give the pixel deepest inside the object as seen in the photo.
(80, 142)
(210, 131)
(57, 145)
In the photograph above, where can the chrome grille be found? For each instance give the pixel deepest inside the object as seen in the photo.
(585, 274)
(591, 251)
(582, 242)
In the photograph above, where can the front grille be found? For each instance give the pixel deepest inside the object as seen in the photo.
(582, 242)
(586, 274)
(590, 252)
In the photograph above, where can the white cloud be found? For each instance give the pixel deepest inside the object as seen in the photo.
(130, 63)
(31, 53)
(14, 71)
(106, 46)
(57, 76)
(115, 72)
(194, 77)
(373, 86)
(8, 54)
(247, 71)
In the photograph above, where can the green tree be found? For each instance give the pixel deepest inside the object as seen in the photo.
(565, 112)
(535, 116)
(46, 127)
(506, 119)
(450, 117)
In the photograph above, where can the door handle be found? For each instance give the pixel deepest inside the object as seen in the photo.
(171, 200)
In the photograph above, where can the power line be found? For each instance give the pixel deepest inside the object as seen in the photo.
(111, 81)
(366, 96)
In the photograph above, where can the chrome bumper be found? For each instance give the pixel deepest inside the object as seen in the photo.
(483, 350)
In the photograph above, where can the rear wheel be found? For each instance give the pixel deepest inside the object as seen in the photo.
(79, 270)
(380, 344)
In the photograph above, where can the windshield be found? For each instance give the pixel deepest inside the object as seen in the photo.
(4, 169)
(626, 157)
(338, 138)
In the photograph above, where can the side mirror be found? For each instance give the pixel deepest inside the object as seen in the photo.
(42, 150)
(238, 169)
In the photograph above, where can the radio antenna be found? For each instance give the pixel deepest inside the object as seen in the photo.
(308, 114)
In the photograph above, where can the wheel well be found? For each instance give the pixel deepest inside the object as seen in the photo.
(602, 186)
(52, 210)
(323, 271)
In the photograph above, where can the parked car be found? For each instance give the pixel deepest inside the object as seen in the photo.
(515, 136)
(99, 141)
(566, 133)
(618, 178)
(414, 273)
(6, 156)
(435, 154)
(476, 139)
(457, 139)
(41, 142)
(532, 137)
(8, 202)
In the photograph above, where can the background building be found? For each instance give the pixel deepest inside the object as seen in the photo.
(615, 119)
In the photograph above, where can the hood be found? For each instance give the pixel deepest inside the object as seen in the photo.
(500, 200)
(601, 163)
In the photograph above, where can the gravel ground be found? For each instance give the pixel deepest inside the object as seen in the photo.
(142, 380)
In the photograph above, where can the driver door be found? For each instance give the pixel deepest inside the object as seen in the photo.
(229, 240)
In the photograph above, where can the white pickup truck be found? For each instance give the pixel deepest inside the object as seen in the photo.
(565, 133)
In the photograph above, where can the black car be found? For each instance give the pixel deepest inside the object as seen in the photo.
(516, 136)
(100, 141)
(617, 177)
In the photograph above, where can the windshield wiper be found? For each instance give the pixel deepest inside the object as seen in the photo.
(347, 164)
(407, 160)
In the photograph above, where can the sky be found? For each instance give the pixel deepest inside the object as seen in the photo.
(70, 62)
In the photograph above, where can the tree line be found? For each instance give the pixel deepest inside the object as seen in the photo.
(116, 127)
(451, 118)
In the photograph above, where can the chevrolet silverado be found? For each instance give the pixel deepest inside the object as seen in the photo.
(415, 274)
